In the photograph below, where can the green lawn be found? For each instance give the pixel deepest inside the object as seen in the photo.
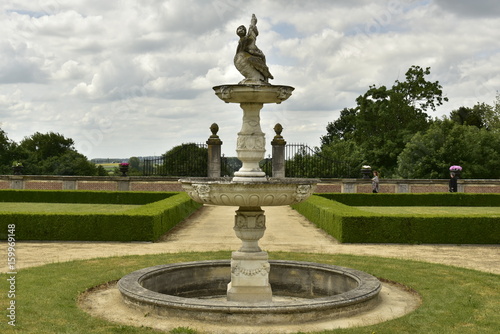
(433, 210)
(455, 300)
(64, 207)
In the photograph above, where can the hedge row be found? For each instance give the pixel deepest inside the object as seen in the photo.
(82, 196)
(145, 223)
(412, 199)
(350, 225)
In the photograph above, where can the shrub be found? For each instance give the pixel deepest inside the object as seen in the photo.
(145, 223)
(348, 224)
(81, 196)
(413, 199)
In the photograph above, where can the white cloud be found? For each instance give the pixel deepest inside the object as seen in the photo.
(136, 77)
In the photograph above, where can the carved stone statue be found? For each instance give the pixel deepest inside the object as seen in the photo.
(249, 59)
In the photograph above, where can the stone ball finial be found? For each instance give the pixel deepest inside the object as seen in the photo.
(278, 129)
(278, 139)
(214, 128)
(214, 138)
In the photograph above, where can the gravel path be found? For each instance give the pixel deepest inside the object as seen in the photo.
(210, 229)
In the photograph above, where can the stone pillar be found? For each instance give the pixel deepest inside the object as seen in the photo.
(69, 185)
(249, 265)
(123, 185)
(16, 182)
(250, 145)
(214, 152)
(348, 187)
(278, 144)
(403, 188)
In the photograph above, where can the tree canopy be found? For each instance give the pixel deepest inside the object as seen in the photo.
(391, 130)
(7, 156)
(478, 116)
(45, 154)
(186, 160)
(385, 119)
(429, 154)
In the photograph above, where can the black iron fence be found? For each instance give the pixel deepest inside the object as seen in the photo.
(300, 161)
(303, 161)
(184, 160)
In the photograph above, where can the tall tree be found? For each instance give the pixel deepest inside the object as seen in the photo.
(388, 118)
(492, 117)
(476, 116)
(53, 154)
(136, 166)
(7, 154)
(385, 119)
(429, 154)
(341, 128)
(186, 160)
(45, 145)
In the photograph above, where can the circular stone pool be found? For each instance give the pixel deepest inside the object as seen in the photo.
(302, 291)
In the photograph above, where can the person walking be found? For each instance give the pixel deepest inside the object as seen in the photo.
(375, 182)
(453, 183)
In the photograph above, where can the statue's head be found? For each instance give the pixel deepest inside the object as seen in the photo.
(241, 31)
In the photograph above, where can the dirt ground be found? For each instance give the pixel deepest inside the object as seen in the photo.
(210, 229)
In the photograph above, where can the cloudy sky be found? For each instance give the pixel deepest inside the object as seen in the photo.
(135, 77)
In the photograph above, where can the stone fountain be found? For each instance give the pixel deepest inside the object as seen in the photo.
(249, 287)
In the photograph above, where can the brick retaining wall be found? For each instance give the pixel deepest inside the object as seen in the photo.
(144, 183)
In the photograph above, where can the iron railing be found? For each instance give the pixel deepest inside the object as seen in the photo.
(187, 160)
(305, 162)
(300, 161)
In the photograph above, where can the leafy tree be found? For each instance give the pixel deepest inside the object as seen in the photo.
(186, 160)
(101, 171)
(312, 163)
(342, 128)
(53, 154)
(135, 163)
(135, 167)
(44, 146)
(388, 118)
(476, 116)
(231, 165)
(347, 154)
(385, 119)
(429, 154)
(69, 163)
(492, 116)
(7, 154)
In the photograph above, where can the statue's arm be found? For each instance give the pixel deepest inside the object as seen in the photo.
(252, 29)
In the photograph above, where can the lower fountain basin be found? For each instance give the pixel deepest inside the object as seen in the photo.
(302, 291)
(273, 192)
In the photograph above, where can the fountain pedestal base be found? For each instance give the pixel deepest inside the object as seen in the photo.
(249, 265)
(249, 278)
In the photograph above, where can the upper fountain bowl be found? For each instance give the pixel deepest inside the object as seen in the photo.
(274, 192)
(253, 93)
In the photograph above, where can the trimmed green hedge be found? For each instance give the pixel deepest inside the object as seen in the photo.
(145, 223)
(412, 199)
(83, 196)
(350, 225)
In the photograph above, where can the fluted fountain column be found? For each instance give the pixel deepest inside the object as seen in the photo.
(249, 265)
(251, 144)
